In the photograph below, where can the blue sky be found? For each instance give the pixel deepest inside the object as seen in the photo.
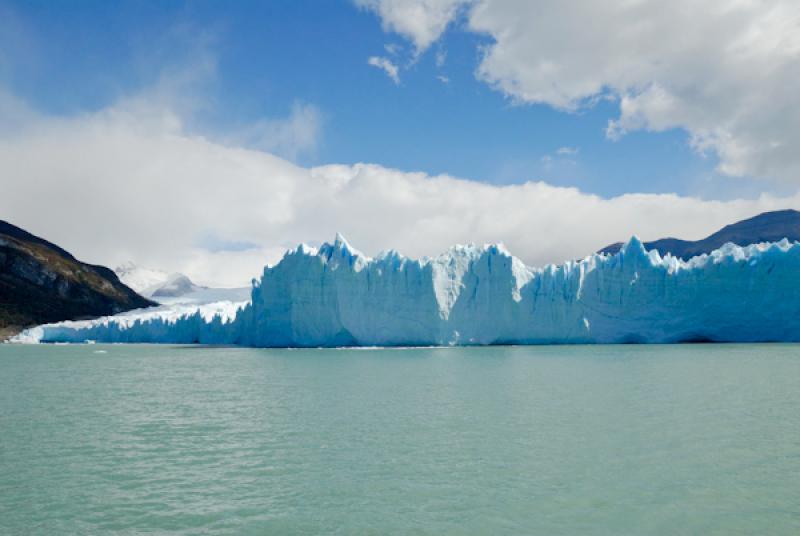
(73, 56)
(231, 131)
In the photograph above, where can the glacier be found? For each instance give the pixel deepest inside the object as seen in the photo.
(335, 295)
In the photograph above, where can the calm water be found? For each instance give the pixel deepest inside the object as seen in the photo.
(698, 439)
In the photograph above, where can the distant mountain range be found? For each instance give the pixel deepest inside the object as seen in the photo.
(766, 227)
(41, 282)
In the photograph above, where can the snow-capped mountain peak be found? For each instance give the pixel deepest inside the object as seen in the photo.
(174, 288)
(155, 283)
(139, 278)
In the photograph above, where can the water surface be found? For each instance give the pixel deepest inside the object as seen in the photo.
(690, 439)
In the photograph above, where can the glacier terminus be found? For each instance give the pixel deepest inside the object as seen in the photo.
(335, 295)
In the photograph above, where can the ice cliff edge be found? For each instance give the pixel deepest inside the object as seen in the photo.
(336, 296)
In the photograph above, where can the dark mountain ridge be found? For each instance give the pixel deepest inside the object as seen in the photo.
(41, 282)
(766, 227)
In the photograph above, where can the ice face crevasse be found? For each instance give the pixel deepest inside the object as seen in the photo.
(337, 296)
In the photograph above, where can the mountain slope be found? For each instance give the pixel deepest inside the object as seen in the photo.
(41, 282)
(766, 227)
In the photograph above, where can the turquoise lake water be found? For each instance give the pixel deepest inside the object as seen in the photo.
(690, 439)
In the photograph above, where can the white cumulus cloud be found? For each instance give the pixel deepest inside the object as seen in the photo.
(386, 65)
(727, 72)
(421, 21)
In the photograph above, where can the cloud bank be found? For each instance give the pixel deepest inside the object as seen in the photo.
(130, 183)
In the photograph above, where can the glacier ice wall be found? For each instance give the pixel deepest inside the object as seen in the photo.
(181, 323)
(470, 295)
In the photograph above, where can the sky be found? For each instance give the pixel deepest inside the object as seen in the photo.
(208, 137)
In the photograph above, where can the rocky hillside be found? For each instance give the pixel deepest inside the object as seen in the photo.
(766, 227)
(41, 282)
